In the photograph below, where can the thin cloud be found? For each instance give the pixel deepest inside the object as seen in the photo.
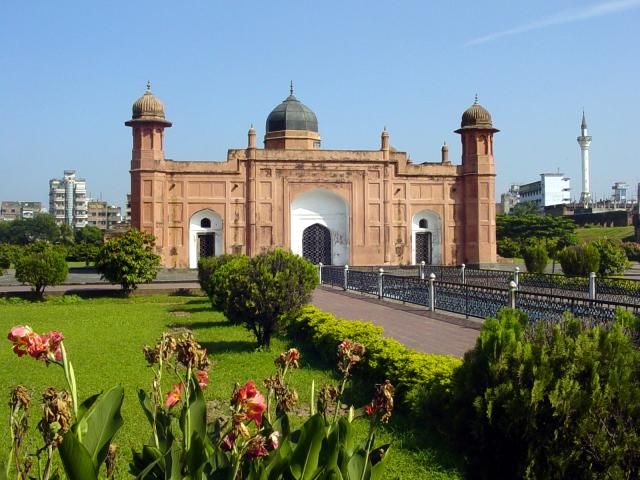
(566, 16)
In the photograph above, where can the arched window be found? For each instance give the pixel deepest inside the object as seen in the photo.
(205, 223)
(423, 223)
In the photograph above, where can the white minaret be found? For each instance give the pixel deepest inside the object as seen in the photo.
(584, 140)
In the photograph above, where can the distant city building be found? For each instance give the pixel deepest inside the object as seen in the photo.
(68, 199)
(103, 215)
(620, 192)
(551, 189)
(15, 210)
(127, 214)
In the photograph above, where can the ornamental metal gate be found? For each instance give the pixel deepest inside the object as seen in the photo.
(424, 247)
(206, 244)
(316, 244)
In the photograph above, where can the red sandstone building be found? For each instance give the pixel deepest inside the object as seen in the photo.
(356, 207)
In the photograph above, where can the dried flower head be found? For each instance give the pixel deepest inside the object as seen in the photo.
(19, 399)
(190, 353)
(56, 415)
(326, 396)
(288, 359)
(257, 447)
(382, 403)
(349, 354)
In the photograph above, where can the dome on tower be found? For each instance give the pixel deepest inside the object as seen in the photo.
(292, 114)
(148, 107)
(476, 116)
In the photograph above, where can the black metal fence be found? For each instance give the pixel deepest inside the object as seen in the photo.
(541, 297)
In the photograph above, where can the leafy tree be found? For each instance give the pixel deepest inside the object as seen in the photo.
(508, 248)
(525, 208)
(535, 258)
(90, 235)
(25, 231)
(555, 232)
(128, 260)
(41, 265)
(84, 252)
(613, 259)
(264, 290)
(66, 234)
(549, 401)
(579, 260)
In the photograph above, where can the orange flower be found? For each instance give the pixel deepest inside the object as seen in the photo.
(174, 396)
(250, 402)
(45, 347)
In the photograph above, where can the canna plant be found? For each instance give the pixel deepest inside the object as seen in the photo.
(80, 433)
(256, 441)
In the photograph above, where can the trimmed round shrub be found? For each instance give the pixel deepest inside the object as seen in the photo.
(263, 292)
(128, 260)
(535, 258)
(41, 265)
(579, 260)
(613, 259)
(206, 267)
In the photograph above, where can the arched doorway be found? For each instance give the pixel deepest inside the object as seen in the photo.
(316, 244)
(426, 238)
(320, 217)
(205, 236)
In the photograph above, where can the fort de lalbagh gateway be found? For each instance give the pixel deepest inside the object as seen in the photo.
(356, 207)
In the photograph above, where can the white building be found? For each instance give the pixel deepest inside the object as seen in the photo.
(551, 189)
(68, 199)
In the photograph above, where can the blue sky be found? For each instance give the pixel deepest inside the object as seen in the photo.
(69, 72)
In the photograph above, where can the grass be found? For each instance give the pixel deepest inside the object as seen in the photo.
(590, 234)
(104, 338)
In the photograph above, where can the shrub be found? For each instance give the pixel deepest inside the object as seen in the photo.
(548, 401)
(226, 282)
(385, 359)
(265, 290)
(613, 260)
(83, 252)
(579, 259)
(508, 248)
(535, 258)
(206, 267)
(632, 250)
(128, 260)
(41, 265)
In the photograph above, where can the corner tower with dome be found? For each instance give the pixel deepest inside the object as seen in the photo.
(338, 207)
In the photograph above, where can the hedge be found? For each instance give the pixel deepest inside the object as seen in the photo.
(385, 358)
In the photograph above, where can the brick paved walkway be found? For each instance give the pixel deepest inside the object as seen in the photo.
(414, 326)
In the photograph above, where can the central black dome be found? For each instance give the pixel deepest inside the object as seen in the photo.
(292, 114)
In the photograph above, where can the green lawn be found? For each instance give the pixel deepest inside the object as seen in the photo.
(590, 234)
(104, 338)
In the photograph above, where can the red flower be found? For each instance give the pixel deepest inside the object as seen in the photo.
(203, 378)
(173, 397)
(250, 402)
(228, 442)
(45, 347)
(369, 409)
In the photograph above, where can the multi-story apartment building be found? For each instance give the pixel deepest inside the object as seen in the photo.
(68, 199)
(103, 215)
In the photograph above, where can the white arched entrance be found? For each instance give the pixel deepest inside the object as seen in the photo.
(320, 218)
(426, 238)
(205, 236)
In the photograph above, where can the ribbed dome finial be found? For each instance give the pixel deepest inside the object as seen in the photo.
(148, 107)
(291, 88)
(476, 116)
(292, 114)
(149, 86)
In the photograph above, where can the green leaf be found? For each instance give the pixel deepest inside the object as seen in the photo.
(76, 460)
(356, 465)
(197, 412)
(84, 406)
(379, 461)
(304, 461)
(99, 424)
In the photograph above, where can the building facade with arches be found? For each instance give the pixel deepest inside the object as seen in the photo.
(356, 207)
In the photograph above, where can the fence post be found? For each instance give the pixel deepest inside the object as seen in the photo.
(422, 264)
(512, 291)
(592, 285)
(432, 292)
(346, 275)
(516, 277)
(380, 275)
(320, 272)
(463, 267)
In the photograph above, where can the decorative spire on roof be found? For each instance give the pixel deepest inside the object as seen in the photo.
(291, 88)
(584, 121)
(475, 101)
(149, 86)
